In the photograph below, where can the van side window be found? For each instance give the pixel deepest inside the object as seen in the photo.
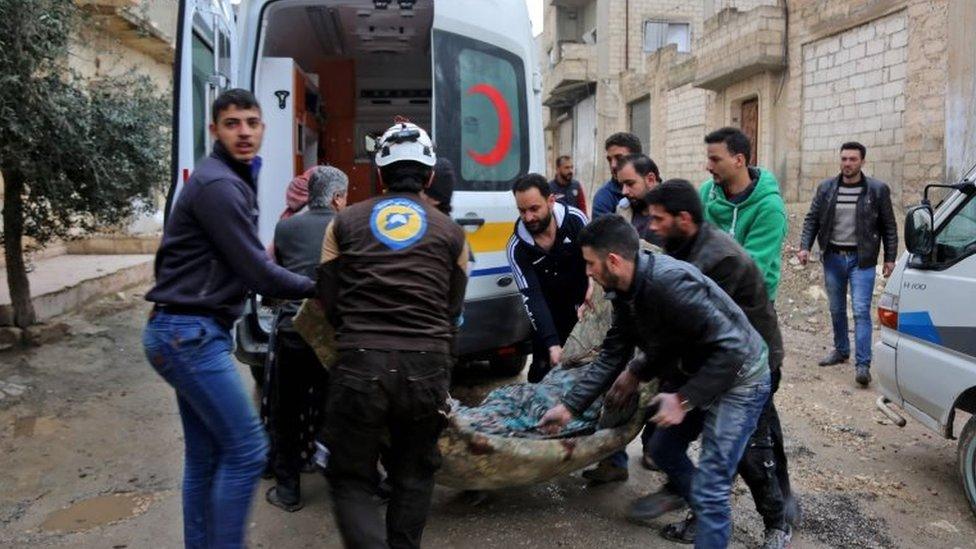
(957, 238)
(203, 65)
(480, 112)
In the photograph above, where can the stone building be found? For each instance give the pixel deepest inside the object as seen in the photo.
(799, 76)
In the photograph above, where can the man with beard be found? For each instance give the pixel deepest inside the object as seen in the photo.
(608, 196)
(676, 216)
(637, 175)
(744, 201)
(548, 268)
(568, 191)
(711, 362)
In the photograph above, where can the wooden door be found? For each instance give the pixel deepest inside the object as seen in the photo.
(749, 123)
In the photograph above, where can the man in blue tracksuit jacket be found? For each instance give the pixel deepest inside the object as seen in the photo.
(210, 256)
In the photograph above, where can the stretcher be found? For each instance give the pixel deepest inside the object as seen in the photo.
(495, 444)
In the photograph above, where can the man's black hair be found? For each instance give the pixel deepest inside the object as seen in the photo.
(855, 146)
(405, 176)
(676, 196)
(642, 164)
(610, 233)
(735, 141)
(562, 158)
(237, 97)
(624, 139)
(532, 181)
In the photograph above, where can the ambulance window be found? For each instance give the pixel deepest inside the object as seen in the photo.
(480, 114)
(203, 64)
(957, 238)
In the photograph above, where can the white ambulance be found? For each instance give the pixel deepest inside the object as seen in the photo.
(330, 73)
(925, 362)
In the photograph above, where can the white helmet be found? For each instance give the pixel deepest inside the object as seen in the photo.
(405, 141)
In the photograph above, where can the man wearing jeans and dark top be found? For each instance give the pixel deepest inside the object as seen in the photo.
(711, 363)
(850, 216)
(210, 256)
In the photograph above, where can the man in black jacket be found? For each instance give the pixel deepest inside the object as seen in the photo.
(296, 379)
(209, 257)
(850, 216)
(548, 268)
(711, 362)
(677, 217)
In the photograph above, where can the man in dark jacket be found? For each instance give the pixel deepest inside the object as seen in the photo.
(608, 196)
(711, 362)
(850, 216)
(676, 216)
(297, 380)
(209, 257)
(548, 268)
(392, 280)
(568, 191)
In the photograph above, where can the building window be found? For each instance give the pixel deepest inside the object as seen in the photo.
(639, 119)
(658, 34)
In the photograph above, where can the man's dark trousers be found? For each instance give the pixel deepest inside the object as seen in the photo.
(297, 401)
(388, 405)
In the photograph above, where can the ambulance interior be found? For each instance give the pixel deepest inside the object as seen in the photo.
(340, 70)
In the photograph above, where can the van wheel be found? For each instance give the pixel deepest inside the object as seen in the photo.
(966, 457)
(507, 366)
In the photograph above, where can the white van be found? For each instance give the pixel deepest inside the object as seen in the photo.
(329, 73)
(925, 362)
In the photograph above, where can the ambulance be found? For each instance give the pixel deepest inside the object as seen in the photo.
(332, 74)
(925, 361)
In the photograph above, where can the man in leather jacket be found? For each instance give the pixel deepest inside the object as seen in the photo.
(850, 216)
(676, 216)
(697, 341)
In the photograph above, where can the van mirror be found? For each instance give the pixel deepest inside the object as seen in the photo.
(369, 144)
(918, 230)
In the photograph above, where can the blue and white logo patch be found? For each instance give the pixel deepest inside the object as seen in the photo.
(398, 222)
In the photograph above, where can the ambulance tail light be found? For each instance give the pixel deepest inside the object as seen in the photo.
(888, 310)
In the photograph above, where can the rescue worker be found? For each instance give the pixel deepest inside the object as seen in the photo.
(548, 268)
(209, 257)
(297, 380)
(617, 146)
(392, 281)
(676, 215)
(711, 362)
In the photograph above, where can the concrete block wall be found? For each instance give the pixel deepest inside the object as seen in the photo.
(854, 90)
(684, 153)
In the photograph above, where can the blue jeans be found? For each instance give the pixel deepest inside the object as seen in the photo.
(226, 447)
(841, 270)
(725, 428)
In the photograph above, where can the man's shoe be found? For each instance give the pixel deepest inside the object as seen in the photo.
(646, 508)
(835, 357)
(777, 539)
(281, 499)
(647, 462)
(862, 375)
(682, 532)
(538, 370)
(606, 472)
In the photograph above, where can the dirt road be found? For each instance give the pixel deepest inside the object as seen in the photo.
(91, 452)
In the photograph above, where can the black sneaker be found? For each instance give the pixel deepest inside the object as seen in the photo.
(862, 375)
(682, 532)
(290, 502)
(646, 508)
(835, 357)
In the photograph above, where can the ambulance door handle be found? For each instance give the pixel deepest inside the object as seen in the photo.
(470, 221)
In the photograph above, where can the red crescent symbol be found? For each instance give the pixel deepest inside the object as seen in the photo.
(504, 141)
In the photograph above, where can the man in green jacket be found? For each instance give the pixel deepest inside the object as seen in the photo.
(745, 202)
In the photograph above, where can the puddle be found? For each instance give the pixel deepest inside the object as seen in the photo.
(30, 426)
(97, 511)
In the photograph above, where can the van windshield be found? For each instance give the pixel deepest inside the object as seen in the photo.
(480, 112)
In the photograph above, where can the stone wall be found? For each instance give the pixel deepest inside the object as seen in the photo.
(854, 90)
